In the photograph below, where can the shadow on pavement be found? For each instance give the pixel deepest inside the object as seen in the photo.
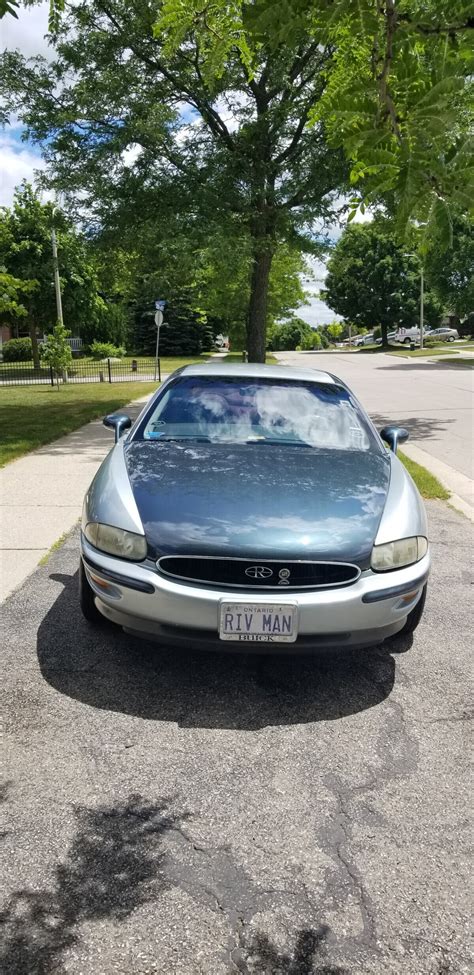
(419, 427)
(106, 669)
(306, 959)
(117, 863)
(112, 868)
(431, 366)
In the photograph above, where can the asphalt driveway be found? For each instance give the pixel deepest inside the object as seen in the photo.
(177, 813)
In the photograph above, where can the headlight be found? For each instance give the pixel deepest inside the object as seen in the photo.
(394, 555)
(116, 541)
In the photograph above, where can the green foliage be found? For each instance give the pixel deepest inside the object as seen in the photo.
(183, 332)
(289, 335)
(9, 7)
(13, 292)
(106, 350)
(397, 94)
(451, 273)
(56, 351)
(311, 341)
(334, 330)
(373, 281)
(17, 350)
(245, 191)
(26, 253)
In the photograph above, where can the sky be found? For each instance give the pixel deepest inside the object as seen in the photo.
(19, 159)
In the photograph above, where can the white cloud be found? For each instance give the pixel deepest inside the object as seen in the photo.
(27, 32)
(316, 312)
(131, 154)
(17, 162)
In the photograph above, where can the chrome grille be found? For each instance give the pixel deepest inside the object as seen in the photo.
(278, 575)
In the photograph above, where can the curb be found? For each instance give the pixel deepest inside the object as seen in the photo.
(453, 480)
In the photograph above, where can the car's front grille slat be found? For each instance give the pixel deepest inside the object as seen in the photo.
(278, 575)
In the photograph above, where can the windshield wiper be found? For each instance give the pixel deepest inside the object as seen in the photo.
(277, 443)
(182, 439)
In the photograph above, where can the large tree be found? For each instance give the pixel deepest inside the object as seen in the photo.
(26, 253)
(136, 123)
(399, 91)
(372, 280)
(450, 273)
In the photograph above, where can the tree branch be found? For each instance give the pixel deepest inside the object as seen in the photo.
(385, 95)
(209, 114)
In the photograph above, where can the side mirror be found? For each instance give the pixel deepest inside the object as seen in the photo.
(118, 422)
(394, 436)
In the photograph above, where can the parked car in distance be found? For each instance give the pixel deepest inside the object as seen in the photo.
(444, 334)
(407, 335)
(363, 339)
(254, 508)
(391, 337)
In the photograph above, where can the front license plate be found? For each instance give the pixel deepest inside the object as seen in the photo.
(256, 622)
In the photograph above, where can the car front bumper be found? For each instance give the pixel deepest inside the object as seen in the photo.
(149, 605)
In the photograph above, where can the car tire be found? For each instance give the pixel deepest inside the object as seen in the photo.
(406, 341)
(86, 599)
(451, 338)
(414, 618)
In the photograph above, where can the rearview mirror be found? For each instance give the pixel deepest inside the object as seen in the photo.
(394, 436)
(118, 422)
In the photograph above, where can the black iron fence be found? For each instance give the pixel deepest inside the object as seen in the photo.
(81, 371)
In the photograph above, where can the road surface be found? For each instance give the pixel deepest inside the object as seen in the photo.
(181, 814)
(433, 400)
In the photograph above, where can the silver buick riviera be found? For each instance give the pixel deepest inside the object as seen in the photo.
(254, 508)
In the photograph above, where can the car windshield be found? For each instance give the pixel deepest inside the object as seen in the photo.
(263, 411)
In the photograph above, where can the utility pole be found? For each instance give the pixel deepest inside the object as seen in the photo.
(57, 283)
(422, 305)
(160, 306)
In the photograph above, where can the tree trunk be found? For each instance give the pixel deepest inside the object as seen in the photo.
(34, 346)
(257, 318)
(384, 330)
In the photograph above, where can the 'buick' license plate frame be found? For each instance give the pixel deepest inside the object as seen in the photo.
(258, 622)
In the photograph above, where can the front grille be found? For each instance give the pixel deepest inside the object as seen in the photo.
(281, 576)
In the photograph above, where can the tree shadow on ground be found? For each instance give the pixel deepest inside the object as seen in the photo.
(112, 868)
(419, 427)
(261, 957)
(109, 670)
(434, 365)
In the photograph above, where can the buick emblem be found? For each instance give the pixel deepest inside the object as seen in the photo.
(258, 572)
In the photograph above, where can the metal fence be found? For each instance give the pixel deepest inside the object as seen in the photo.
(81, 371)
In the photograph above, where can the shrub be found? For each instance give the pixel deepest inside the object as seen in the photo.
(18, 350)
(105, 350)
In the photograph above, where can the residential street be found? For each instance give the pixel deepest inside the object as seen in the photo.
(175, 813)
(433, 400)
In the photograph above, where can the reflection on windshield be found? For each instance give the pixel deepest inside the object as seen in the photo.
(226, 410)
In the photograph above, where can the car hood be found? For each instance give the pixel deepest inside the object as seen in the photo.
(255, 500)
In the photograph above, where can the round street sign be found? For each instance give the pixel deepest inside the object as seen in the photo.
(158, 318)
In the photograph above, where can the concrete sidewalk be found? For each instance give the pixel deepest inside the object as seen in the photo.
(42, 494)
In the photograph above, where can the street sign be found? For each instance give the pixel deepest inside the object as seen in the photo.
(158, 319)
(160, 305)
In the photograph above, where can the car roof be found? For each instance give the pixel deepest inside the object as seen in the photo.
(257, 370)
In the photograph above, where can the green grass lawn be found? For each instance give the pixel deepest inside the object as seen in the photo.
(427, 484)
(445, 349)
(31, 416)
